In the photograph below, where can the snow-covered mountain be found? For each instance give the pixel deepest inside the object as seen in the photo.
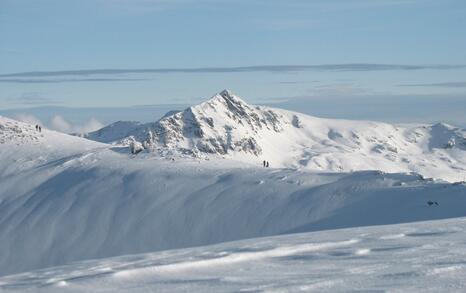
(226, 126)
(66, 198)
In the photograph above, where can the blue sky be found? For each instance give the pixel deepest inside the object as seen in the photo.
(158, 52)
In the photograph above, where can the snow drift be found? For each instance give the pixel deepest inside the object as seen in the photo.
(415, 257)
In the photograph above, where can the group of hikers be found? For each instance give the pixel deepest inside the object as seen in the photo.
(266, 164)
(38, 128)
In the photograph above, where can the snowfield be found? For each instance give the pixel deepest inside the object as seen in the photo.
(200, 181)
(420, 257)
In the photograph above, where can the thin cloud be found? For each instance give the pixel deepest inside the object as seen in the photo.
(298, 82)
(31, 98)
(355, 67)
(339, 89)
(28, 118)
(455, 84)
(20, 80)
(59, 123)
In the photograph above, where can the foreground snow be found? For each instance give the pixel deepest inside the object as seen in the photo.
(427, 256)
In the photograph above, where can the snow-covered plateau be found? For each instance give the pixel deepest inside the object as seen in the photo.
(198, 179)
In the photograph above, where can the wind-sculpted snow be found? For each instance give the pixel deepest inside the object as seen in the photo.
(65, 198)
(416, 257)
(227, 127)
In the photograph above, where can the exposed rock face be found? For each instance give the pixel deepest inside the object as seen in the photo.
(223, 124)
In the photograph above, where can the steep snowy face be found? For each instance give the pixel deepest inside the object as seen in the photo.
(221, 125)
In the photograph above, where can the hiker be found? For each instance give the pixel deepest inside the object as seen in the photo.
(264, 163)
(37, 127)
(267, 165)
(40, 128)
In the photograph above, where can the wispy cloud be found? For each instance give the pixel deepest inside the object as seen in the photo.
(31, 98)
(298, 82)
(339, 89)
(61, 80)
(59, 123)
(258, 68)
(27, 118)
(454, 84)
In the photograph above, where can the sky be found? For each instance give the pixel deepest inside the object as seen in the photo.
(390, 60)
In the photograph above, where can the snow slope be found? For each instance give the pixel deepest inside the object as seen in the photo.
(225, 126)
(421, 257)
(22, 147)
(113, 132)
(65, 198)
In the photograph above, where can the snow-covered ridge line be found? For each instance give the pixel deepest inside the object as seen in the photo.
(225, 126)
(17, 132)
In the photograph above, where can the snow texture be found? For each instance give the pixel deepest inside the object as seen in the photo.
(421, 257)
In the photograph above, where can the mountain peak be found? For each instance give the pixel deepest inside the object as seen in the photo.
(226, 93)
(222, 124)
(225, 97)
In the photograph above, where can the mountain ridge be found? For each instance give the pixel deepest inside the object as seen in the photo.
(226, 126)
